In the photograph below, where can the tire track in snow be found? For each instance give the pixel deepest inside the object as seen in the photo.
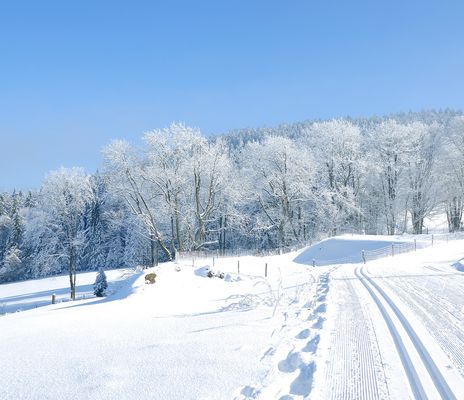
(434, 372)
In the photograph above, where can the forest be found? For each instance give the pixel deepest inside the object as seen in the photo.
(245, 190)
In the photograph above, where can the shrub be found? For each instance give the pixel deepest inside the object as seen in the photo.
(150, 278)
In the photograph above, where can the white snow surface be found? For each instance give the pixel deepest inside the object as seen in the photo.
(346, 249)
(184, 337)
(389, 329)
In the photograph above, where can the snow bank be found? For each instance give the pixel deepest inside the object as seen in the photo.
(459, 265)
(345, 249)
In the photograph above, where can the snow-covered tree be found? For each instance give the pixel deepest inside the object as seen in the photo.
(389, 142)
(252, 188)
(336, 145)
(451, 167)
(101, 284)
(422, 152)
(126, 172)
(11, 267)
(281, 181)
(65, 196)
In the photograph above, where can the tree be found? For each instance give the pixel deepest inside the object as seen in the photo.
(337, 148)
(451, 167)
(422, 151)
(10, 269)
(100, 285)
(65, 196)
(127, 175)
(389, 143)
(281, 177)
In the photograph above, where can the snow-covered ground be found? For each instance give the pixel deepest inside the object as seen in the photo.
(388, 329)
(21, 296)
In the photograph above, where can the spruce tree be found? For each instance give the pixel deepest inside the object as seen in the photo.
(100, 285)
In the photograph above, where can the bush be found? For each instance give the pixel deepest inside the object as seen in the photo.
(100, 285)
(150, 278)
(213, 274)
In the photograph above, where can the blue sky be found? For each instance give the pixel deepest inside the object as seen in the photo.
(76, 74)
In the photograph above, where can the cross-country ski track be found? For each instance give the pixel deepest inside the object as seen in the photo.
(394, 334)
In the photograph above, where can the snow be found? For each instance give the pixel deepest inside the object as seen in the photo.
(21, 296)
(459, 265)
(346, 249)
(389, 329)
(186, 336)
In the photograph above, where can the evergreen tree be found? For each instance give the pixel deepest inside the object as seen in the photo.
(100, 285)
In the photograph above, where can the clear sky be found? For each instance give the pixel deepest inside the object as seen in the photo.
(76, 74)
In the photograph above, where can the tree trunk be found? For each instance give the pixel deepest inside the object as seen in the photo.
(72, 274)
(454, 214)
(152, 250)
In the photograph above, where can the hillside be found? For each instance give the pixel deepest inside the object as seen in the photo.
(389, 329)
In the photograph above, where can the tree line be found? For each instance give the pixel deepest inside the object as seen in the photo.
(247, 189)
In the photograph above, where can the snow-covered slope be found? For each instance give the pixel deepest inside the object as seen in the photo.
(346, 249)
(21, 296)
(388, 329)
(184, 337)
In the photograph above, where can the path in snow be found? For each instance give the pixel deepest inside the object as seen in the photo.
(353, 367)
(434, 372)
(437, 300)
(394, 331)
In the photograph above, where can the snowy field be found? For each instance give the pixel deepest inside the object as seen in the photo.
(388, 329)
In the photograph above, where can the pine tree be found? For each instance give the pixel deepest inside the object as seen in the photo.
(100, 285)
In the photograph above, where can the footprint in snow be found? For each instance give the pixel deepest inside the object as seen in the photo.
(322, 298)
(304, 334)
(311, 346)
(321, 308)
(318, 324)
(291, 363)
(250, 392)
(301, 386)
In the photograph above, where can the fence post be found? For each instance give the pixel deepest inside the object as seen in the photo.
(393, 249)
(265, 270)
(193, 261)
(415, 245)
(314, 262)
(363, 256)
(238, 266)
(53, 298)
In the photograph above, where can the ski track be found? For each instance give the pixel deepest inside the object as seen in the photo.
(353, 369)
(439, 310)
(434, 372)
(411, 373)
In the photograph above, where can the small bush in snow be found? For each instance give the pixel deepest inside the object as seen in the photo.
(215, 274)
(100, 285)
(150, 278)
